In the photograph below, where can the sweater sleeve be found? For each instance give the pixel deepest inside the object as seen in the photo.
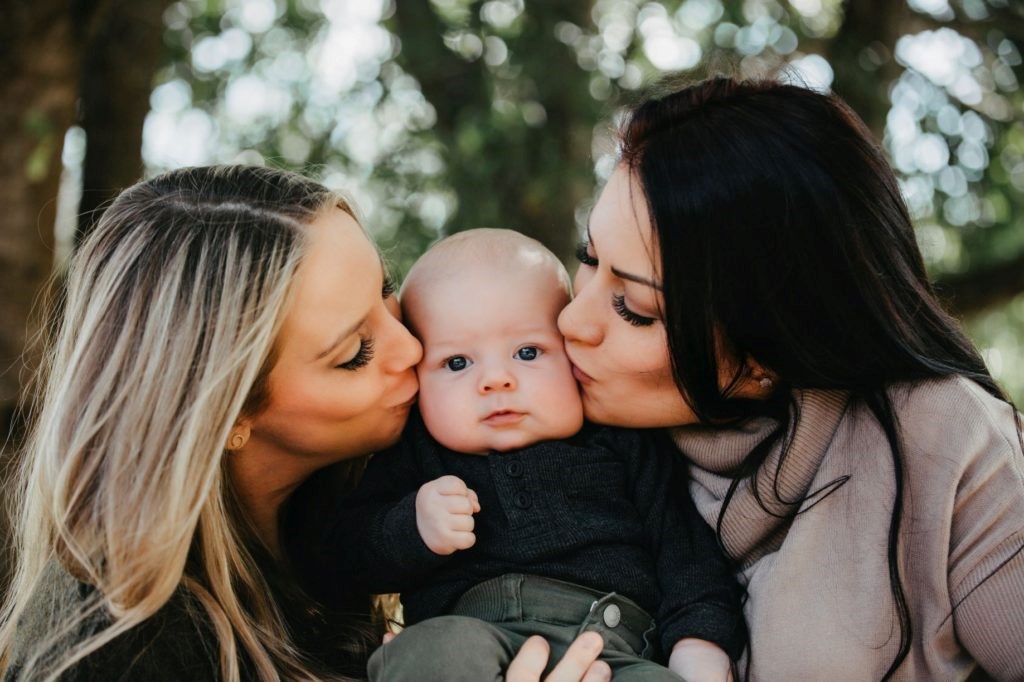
(700, 595)
(986, 559)
(370, 537)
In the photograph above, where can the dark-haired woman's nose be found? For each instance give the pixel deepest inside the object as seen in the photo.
(578, 323)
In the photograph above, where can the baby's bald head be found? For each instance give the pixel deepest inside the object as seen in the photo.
(494, 374)
(498, 257)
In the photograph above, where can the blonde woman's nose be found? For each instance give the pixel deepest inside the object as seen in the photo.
(405, 349)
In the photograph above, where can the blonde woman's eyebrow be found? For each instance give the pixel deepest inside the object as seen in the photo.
(339, 339)
(352, 330)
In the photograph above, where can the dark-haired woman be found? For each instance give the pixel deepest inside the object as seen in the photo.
(751, 278)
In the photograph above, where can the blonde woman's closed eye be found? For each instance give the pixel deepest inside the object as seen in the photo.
(362, 357)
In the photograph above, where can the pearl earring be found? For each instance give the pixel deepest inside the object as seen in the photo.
(766, 383)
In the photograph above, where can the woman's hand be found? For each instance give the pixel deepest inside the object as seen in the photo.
(579, 664)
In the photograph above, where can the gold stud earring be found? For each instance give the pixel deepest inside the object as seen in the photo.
(238, 438)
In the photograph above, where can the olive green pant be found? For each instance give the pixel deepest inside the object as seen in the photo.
(491, 621)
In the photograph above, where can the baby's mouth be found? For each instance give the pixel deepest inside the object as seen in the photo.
(503, 418)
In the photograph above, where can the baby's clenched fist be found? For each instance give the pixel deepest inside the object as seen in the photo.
(444, 515)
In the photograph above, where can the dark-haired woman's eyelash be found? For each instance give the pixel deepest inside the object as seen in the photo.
(362, 356)
(583, 255)
(619, 303)
(389, 288)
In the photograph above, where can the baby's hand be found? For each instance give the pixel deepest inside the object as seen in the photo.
(444, 515)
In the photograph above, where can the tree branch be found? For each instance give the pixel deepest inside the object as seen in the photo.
(980, 289)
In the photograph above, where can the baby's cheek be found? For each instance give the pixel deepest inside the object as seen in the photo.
(565, 407)
(447, 425)
(435, 405)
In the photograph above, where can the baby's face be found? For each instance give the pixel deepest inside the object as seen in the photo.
(494, 374)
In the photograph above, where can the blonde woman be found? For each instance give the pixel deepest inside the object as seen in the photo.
(226, 333)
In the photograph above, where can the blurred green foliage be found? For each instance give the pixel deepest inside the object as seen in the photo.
(438, 115)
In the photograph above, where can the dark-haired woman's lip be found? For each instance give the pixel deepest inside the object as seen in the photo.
(581, 376)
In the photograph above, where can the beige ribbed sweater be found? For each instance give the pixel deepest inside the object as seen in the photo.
(819, 603)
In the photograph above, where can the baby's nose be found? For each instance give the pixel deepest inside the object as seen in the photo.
(497, 379)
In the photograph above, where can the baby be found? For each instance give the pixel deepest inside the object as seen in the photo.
(501, 515)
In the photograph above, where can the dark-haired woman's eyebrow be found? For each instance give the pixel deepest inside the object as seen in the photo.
(619, 273)
(635, 278)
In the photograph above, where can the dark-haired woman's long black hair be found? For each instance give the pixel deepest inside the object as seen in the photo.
(784, 238)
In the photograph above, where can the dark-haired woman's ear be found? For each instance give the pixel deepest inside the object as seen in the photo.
(239, 437)
(761, 380)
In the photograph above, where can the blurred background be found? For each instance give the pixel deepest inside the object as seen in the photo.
(438, 115)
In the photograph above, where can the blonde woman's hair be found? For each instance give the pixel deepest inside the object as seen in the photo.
(171, 309)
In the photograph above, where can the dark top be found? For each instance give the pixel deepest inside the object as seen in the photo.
(172, 645)
(606, 509)
(177, 643)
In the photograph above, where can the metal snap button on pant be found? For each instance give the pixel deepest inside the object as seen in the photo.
(516, 597)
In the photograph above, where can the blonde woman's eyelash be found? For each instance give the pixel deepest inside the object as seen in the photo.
(389, 288)
(362, 356)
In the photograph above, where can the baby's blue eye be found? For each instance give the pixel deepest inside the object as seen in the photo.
(456, 363)
(527, 353)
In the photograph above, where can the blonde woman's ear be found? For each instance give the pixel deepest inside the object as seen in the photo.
(239, 437)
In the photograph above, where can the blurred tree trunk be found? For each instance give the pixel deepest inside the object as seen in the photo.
(125, 49)
(38, 73)
(40, 44)
(98, 56)
(980, 289)
(861, 54)
(505, 171)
